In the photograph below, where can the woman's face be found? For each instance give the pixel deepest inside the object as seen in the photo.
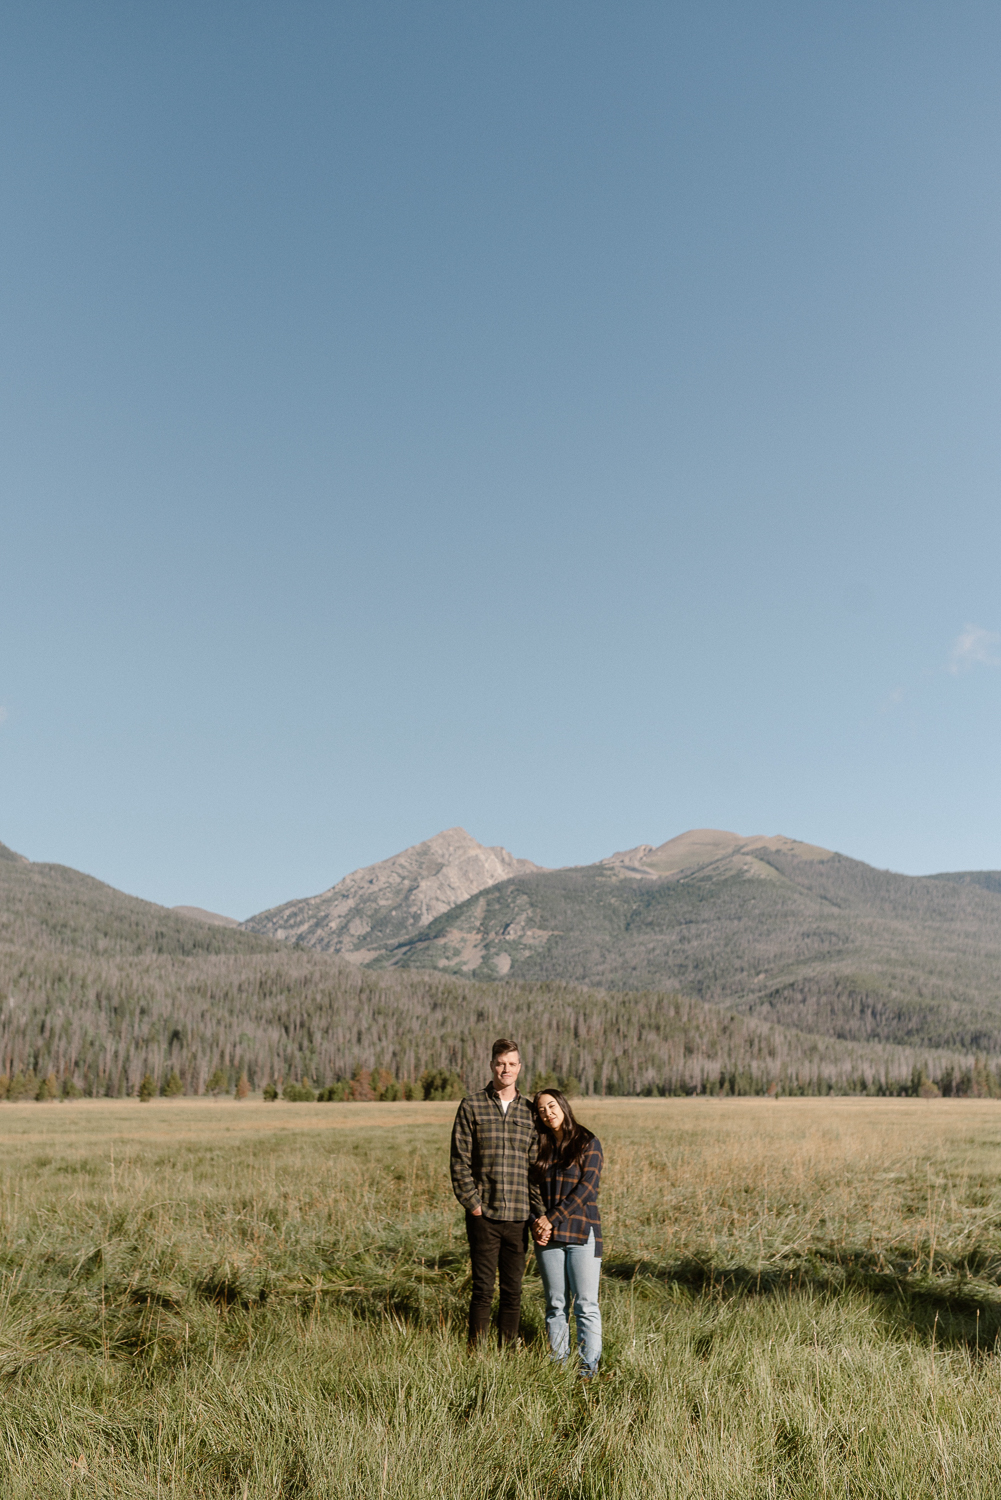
(550, 1113)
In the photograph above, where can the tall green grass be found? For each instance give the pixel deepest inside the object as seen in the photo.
(229, 1299)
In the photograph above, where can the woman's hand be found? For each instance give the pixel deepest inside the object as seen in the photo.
(541, 1230)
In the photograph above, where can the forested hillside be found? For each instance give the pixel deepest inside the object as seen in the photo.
(106, 1022)
(988, 880)
(829, 946)
(53, 909)
(99, 989)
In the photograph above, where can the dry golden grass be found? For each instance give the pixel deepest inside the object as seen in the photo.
(900, 1179)
(218, 1298)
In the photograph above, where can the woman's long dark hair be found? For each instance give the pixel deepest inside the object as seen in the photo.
(576, 1137)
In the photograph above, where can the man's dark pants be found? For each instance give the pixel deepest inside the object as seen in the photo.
(493, 1244)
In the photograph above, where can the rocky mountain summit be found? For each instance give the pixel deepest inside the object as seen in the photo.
(373, 909)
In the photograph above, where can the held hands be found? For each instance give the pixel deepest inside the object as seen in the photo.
(541, 1228)
(541, 1231)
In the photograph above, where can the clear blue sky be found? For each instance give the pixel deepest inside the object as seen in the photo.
(578, 422)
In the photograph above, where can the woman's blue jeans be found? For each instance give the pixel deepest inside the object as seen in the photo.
(570, 1276)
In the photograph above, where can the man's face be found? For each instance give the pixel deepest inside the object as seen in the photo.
(505, 1068)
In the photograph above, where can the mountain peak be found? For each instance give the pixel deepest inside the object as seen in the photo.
(380, 905)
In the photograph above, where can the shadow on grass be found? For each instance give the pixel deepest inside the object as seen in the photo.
(429, 1307)
(228, 1289)
(951, 1313)
(947, 1308)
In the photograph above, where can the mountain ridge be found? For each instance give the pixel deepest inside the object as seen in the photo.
(700, 848)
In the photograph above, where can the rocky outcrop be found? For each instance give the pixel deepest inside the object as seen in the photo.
(373, 909)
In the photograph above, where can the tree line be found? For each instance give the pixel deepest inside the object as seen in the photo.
(979, 1081)
(101, 1024)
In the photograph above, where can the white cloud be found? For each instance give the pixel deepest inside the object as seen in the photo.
(974, 647)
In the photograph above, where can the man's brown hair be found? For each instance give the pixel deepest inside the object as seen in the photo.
(502, 1045)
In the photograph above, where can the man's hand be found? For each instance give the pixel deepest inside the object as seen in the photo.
(477, 1212)
(541, 1230)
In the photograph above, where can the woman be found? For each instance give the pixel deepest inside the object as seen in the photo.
(567, 1228)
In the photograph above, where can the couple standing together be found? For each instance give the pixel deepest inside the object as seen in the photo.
(519, 1167)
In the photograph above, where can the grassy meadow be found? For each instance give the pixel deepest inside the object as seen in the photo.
(211, 1298)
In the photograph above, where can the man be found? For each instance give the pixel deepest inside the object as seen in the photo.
(494, 1132)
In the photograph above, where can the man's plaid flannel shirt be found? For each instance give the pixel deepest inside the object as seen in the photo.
(490, 1155)
(570, 1198)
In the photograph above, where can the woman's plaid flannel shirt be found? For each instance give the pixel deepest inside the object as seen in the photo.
(569, 1196)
